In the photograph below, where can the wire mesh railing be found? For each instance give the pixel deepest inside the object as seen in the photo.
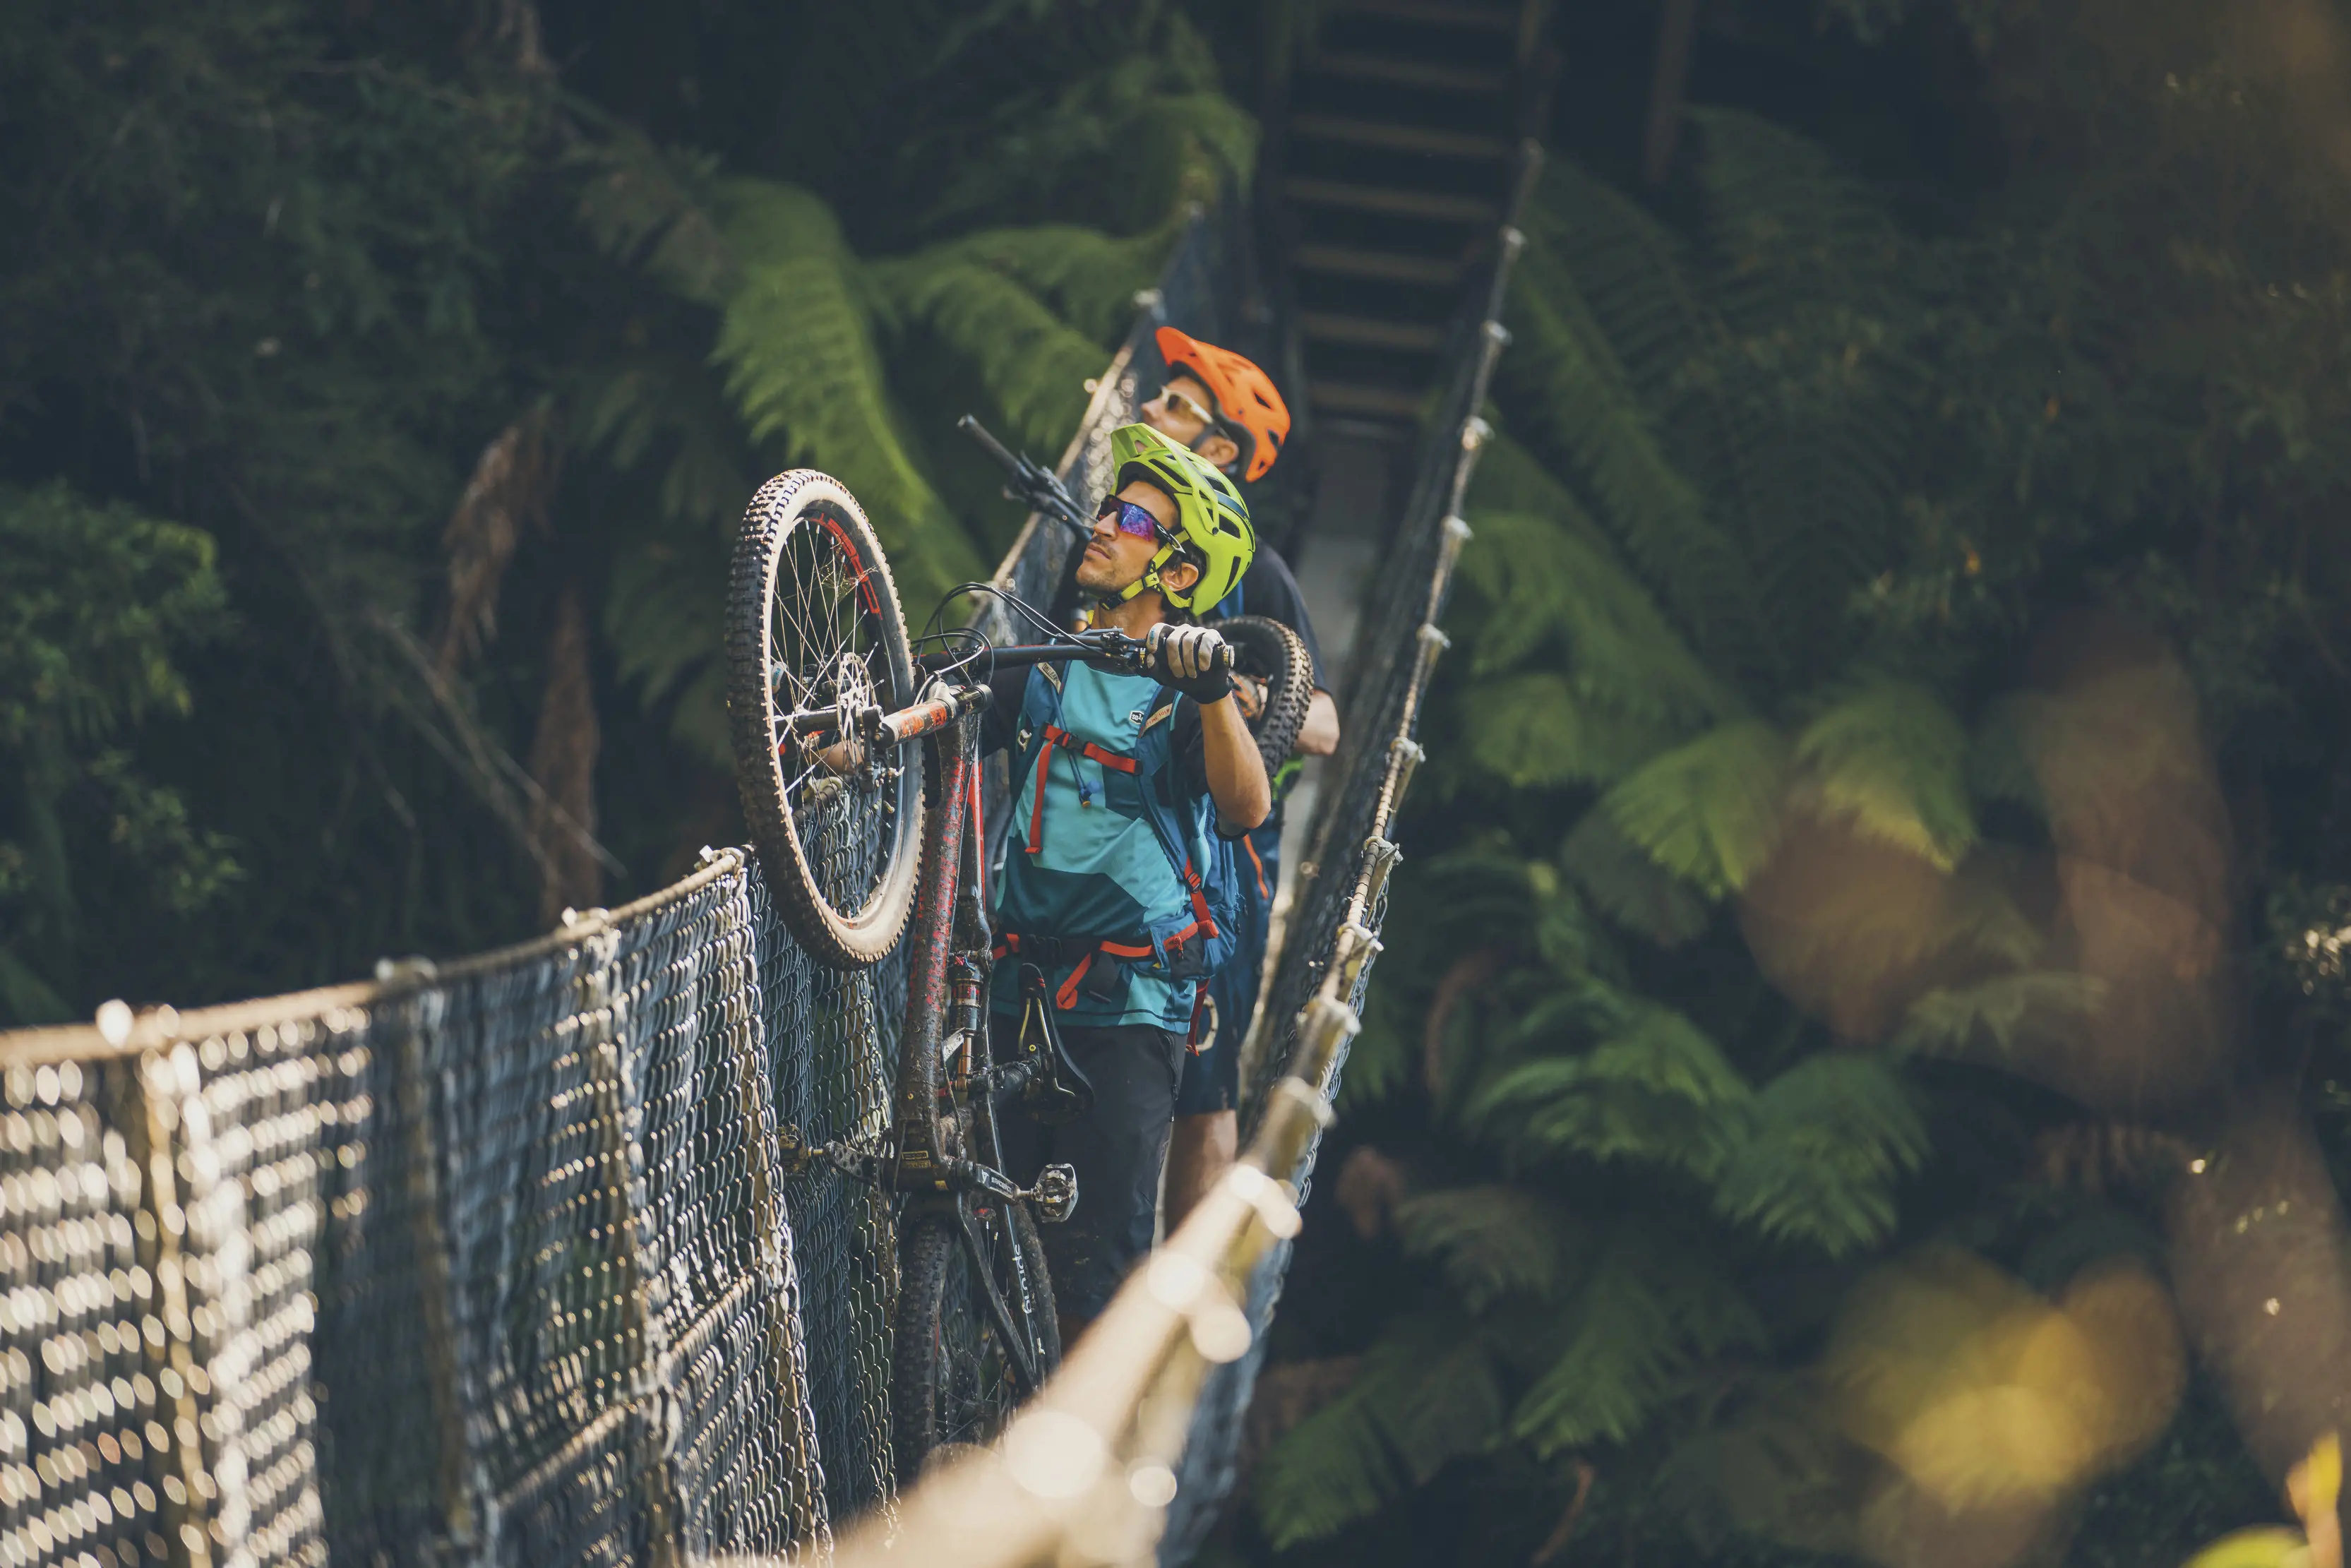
(489, 1261)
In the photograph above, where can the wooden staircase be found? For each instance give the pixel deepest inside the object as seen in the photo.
(1387, 167)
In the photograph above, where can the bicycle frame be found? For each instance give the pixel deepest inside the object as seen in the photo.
(947, 969)
(947, 947)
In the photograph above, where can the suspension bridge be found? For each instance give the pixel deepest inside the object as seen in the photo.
(502, 1259)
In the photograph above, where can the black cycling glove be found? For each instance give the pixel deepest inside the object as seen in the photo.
(1194, 660)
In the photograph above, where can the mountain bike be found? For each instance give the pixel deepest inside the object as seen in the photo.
(841, 736)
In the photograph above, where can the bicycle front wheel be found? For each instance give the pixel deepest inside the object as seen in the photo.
(814, 627)
(954, 1380)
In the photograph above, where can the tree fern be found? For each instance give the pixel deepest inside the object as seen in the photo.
(1494, 1241)
(1088, 277)
(1818, 302)
(1889, 759)
(1623, 880)
(1429, 1393)
(1574, 396)
(1785, 225)
(1829, 1137)
(800, 363)
(1709, 811)
(653, 210)
(2000, 1016)
(1649, 1307)
(1653, 1088)
(1536, 729)
(1033, 366)
(1557, 577)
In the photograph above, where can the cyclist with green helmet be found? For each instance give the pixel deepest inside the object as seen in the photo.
(1222, 407)
(1128, 790)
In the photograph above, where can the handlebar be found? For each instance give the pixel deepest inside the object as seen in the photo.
(1113, 647)
(1030, 481)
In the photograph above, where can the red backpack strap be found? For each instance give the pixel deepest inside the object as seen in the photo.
(1051, 737)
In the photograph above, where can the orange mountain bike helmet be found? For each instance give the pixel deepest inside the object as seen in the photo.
(1250, 410)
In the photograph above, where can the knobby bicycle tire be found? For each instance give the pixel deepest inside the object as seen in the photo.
(942, 1395)
(813, 616)
(1276, 656)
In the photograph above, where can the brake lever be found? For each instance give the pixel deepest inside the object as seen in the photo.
(1131, 654)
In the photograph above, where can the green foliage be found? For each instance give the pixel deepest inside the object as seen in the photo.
(1890, 759)
(289, 271)
(101, 598)
(1709, 810)
(1494, 1241)
(802, 364)
(2007, 1012)
(1429, 1394)
(1033, 366)
(1650, 1307)
(1652, 1088)
(1830, 1136)
(1744, 766)
(103, 605)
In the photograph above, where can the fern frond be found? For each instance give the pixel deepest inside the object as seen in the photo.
(1384, 1051)
(1785, 224)
(1637, 283)
(1534, 729)
(2006, 1014)
(1565, 385)
(1484, 888)
(1088, 277)
(653, 210)
(1889, 759)
(629, 408)
(1493, 1242)
(1033, 366)
(1709, 810)
(1828, 1139)
(1655, 1088)
(1132, 139)
(1429, 1393)
(1545, 577)
(1631, 888)
(1331, 1470)
(802, 365)
(1648, 1308)
(657, 619)
(1508, 479)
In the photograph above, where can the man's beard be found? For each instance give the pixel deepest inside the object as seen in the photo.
(1094, 582)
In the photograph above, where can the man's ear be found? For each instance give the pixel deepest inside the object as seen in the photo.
(1219, 449)
(1179, 575)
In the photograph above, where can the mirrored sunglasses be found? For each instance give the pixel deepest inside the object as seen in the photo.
(1131, 519)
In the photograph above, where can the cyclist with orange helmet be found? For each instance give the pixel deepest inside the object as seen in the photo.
(1227, 412)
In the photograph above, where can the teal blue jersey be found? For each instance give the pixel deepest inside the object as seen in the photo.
(1084, 865)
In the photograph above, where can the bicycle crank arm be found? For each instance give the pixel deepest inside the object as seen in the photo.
(1055, 1193)
(858, 1164)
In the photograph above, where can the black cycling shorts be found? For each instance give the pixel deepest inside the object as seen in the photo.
(1118, 1148)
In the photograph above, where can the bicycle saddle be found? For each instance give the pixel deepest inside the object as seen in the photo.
(1059, 1091)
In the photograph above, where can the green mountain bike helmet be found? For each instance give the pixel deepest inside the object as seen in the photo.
(1211, 519)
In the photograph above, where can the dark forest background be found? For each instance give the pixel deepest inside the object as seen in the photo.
(1857, 1068)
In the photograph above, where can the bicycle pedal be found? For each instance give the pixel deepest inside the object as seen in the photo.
(1057, 1193)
